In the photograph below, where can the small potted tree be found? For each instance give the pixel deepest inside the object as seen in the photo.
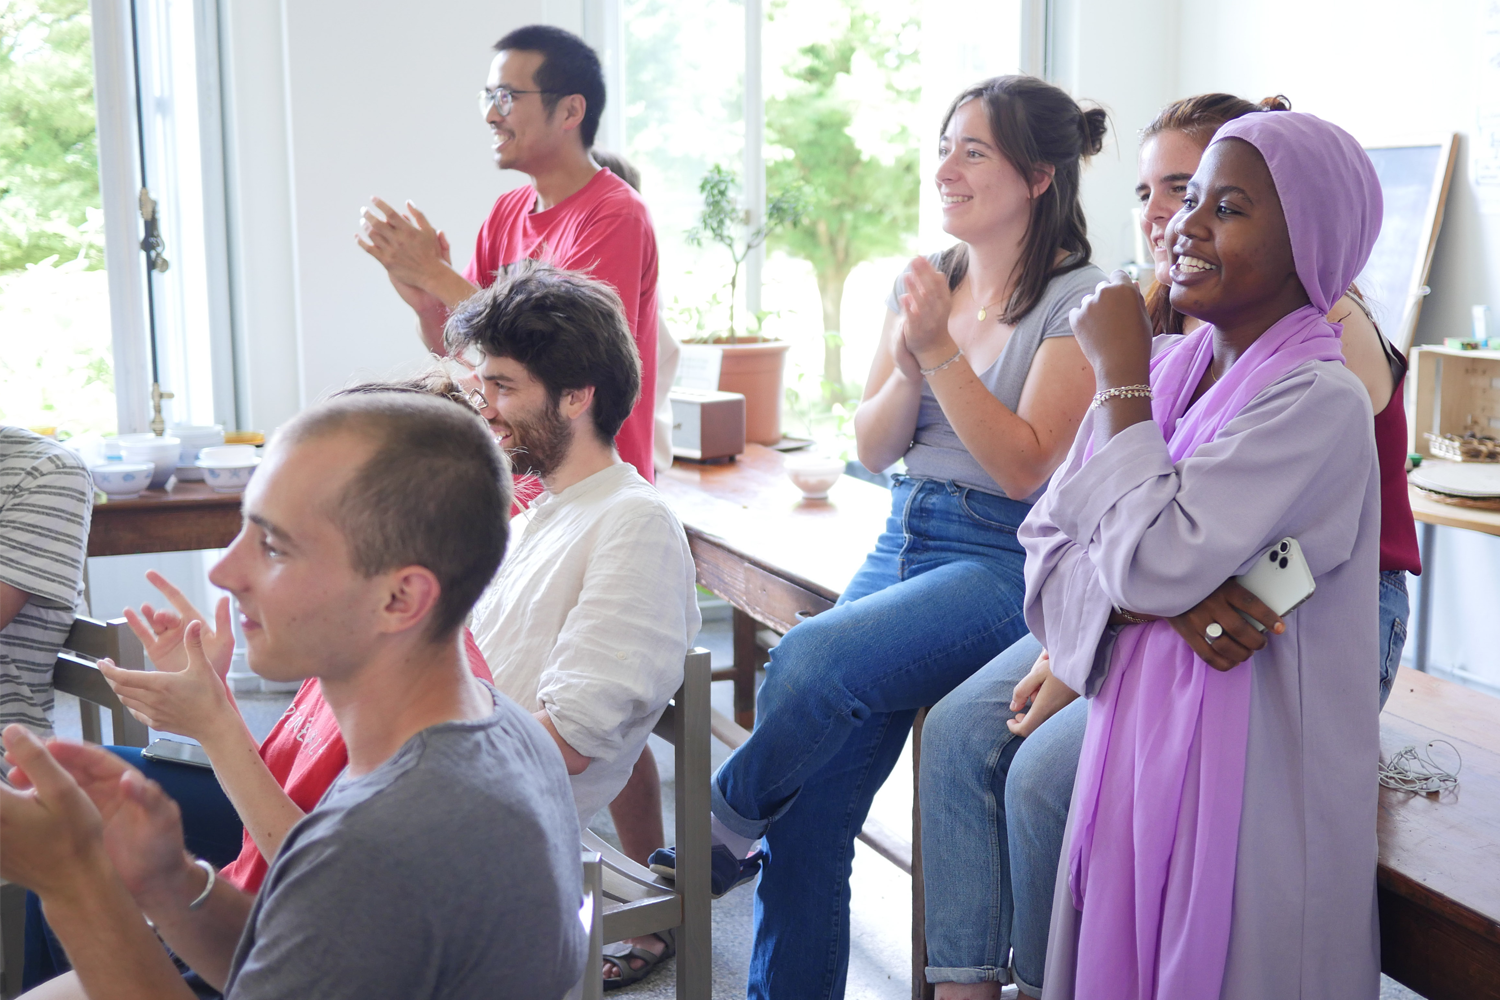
(752, 363)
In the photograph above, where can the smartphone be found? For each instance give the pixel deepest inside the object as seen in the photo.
(177, 752)
(1280, 578)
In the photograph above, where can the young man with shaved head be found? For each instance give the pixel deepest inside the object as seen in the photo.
(370, 528)
(542, 101)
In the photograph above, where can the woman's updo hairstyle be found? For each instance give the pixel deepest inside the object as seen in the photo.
(1198, 118)
(1035, 125)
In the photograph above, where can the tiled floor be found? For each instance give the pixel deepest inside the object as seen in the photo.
(880, 955)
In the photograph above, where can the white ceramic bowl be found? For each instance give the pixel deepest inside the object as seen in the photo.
(228, 467)
(194, 438)
(159, 451)
(122, 480)
(814, 475)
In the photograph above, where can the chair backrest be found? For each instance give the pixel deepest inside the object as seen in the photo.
(635, 902)
(75, 673)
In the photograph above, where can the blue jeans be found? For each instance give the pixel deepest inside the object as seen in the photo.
(966, 754)
(994, 810)
(1394, 610)
(939, 597)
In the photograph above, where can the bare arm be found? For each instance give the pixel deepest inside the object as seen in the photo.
(12, 600)
(1020, 449)
(186, 695)
(575, 762)
(99, 843)
(887, 415)
(1363, 354)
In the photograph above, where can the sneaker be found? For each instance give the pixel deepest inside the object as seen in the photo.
(726, 872)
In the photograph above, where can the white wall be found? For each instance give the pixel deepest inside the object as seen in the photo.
(332, 102)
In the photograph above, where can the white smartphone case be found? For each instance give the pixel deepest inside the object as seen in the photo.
(1280, 578)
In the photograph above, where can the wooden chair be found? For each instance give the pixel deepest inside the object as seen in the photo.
(633, 902)
(75, 673)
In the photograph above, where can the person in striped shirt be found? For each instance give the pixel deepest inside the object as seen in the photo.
(46, 500)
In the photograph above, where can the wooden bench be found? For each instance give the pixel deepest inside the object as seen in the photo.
(777, 559)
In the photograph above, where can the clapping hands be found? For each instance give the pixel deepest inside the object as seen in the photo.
(186, 693)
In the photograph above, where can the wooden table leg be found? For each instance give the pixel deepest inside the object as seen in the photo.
(921, 989)
(747, 658)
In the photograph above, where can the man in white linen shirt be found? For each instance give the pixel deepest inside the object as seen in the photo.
(592, 612)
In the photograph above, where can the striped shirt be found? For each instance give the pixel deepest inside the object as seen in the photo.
(46, 500)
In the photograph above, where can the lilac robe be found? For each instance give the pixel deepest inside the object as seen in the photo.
(1131, 529)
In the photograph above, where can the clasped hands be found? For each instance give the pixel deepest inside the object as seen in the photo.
(412, 251)
(923, 341)
(1040, 695)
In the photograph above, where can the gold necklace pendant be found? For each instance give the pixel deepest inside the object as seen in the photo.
(981, 314)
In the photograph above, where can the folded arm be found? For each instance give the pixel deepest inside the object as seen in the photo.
(1133, 530)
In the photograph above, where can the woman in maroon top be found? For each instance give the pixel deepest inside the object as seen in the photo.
(1170, 149)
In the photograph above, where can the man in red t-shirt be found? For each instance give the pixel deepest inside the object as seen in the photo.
(543, 100)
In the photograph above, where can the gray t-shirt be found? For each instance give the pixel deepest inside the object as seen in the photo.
(451, 870)
(936, 452)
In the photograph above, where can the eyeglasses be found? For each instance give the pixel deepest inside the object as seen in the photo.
(503, 99)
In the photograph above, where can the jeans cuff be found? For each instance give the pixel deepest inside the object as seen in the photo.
(724, 812)
(1024, 986)
(965, 977)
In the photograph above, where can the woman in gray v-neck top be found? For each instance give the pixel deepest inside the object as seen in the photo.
(936, 452)
(941, 593)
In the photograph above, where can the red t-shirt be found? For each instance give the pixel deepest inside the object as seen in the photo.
(604, 230)
(305, 752)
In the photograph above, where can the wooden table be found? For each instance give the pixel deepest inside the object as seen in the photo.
(189, 516)
(1430, 514)
(1439, 874)
(775, 557)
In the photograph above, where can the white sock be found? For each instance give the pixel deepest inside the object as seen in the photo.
(739, 846)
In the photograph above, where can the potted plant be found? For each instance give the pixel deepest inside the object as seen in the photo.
(752, 364)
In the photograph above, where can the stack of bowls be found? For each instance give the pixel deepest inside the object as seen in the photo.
(122, 480)
(228, 467)
(162, 452)
(194, 438)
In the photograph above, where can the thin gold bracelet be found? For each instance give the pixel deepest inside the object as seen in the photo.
(1121, 392)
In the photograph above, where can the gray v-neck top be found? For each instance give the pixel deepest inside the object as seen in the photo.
(936, 452)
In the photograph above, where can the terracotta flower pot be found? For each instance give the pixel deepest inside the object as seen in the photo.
(754, 370)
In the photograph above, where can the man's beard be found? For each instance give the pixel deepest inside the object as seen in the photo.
(539, 443)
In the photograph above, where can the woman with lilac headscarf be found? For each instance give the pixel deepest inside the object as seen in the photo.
(1221, 840)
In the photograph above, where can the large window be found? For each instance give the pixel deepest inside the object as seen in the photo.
(852, 94)
(55, 358)
(59, 329)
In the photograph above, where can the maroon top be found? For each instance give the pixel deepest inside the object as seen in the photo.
(1398, 531)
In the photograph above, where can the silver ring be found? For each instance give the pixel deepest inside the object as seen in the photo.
(1213, 631)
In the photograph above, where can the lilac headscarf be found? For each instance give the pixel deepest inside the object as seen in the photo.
(1151, 861)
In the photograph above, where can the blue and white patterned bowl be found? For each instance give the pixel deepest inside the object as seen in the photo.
(228, 474)
(122, 480)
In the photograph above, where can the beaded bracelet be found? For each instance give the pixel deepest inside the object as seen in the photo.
(1121, 392)
(1130, 618)
(933, 371)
